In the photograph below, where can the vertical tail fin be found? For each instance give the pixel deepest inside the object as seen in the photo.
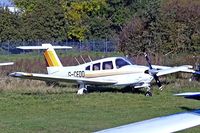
(51, 58)
(50, 55)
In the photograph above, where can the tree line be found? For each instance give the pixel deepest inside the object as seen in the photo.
(166, 26)
(159, 26)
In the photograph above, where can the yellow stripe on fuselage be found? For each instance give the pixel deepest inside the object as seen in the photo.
(51, 59)
(96, 74)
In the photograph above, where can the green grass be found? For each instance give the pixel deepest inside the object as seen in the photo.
(29, 106)
(26, 108)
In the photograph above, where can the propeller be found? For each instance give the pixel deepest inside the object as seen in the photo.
(153, 71)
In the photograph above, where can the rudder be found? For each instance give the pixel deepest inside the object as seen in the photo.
(51, 58)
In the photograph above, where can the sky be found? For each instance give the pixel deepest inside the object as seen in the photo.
(5, 2)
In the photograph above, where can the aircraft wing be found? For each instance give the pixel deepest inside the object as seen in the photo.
(197, 72)
(47, 77)
(6, 64)
(185, 68)
(160, 67)
(190, 95)
(165, 124)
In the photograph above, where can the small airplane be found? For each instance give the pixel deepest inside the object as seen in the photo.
(163, 124)
(117, 71)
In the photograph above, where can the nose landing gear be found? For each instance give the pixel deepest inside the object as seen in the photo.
(148, 93)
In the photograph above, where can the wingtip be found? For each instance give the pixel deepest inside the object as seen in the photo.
(19, 74)
(189, 95)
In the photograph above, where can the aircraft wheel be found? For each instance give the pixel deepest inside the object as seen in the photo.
(148, 94)
(82, 91)
(85, 91)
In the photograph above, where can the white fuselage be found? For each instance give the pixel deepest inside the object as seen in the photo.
(128, 74)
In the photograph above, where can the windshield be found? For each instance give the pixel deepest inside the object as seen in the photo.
(131, 61)
(120, 62)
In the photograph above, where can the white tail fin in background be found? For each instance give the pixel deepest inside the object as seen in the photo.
(6, 64)
(49, 54)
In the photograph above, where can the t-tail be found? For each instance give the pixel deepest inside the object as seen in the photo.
(50, 55)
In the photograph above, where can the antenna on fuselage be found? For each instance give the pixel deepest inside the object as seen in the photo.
(77, 60)
(89, 58)
(82, 59)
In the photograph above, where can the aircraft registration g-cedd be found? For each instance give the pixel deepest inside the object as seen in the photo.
(117, 71)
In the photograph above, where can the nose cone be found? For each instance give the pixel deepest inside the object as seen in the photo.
(15, 74)
(19, 74)
(153, 71)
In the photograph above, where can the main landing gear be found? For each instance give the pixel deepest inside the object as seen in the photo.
(148, 93)
(82, 89)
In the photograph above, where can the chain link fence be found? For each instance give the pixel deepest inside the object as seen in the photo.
(9, 47)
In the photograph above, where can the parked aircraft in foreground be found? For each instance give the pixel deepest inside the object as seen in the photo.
(164, 124)
(117, 71)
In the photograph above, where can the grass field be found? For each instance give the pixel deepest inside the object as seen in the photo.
(30, 106)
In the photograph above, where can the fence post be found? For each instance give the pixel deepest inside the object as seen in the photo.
(93, 45)
(39, 51)
(8, 47)
(23, 45)
(106, 46)
(79, 46)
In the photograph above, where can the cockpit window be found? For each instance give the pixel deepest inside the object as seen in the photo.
(87, 68)
(96, 66)
(120, 63)
(107, 65)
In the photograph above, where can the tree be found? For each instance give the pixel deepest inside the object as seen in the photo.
(26, 5)
(9, 25)
(107, 22)
(184, 16)
(168, 26)
(77, 13)
(84, 19)
(42, 20)
(97, 19)
(143, 32)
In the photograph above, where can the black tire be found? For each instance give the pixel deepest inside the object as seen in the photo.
(85, 91)
(148, 94)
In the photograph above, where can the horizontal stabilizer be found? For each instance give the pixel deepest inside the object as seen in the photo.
(44, 46)
(6, 64)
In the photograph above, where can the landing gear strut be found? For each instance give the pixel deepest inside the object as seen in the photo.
(148, 93)
(82, 89)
